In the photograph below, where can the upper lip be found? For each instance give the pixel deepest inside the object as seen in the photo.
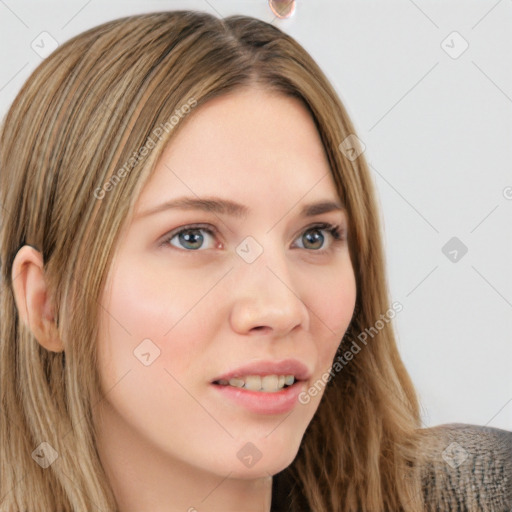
(283, 367)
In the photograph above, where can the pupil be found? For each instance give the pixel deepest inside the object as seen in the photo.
(314, 238)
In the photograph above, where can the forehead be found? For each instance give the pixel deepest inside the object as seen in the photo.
(246, 145)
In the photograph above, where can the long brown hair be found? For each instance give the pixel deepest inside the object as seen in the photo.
(66, 189)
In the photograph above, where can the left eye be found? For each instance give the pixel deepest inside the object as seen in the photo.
(191, 238)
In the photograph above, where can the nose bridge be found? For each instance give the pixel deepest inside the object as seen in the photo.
(266, 293)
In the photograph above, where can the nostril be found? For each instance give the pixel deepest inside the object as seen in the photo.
(260, 327)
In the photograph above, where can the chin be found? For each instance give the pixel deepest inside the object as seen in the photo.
(260, 470)
(274, 458)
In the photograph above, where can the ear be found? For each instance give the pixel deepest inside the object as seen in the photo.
(31, 296)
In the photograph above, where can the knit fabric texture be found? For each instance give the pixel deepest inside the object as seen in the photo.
(468, 469)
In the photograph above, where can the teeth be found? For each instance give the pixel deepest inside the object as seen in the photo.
(268, 383)
(252, 382)
(239, 383)
(289, 379)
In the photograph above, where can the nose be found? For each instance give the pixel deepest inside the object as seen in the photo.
(266, 298)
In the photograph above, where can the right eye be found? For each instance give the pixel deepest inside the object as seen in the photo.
(189, 237)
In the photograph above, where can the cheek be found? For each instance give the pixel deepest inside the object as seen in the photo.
(332, 304)
(146, 347)
(146, 317)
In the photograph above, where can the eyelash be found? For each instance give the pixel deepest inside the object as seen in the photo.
(338, 234)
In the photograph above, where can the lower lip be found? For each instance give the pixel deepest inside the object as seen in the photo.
(262, 402)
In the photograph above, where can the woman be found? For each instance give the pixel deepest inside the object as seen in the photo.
(190, 252)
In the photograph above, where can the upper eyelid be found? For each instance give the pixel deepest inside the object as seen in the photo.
(322, 225)
(213, 229)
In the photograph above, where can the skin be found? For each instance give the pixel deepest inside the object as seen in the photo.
(167, 439)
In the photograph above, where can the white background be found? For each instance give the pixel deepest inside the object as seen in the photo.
(437, 131)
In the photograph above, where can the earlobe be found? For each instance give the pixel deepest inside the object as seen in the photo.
(32, 301)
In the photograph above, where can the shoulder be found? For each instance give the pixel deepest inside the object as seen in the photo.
(467, 468)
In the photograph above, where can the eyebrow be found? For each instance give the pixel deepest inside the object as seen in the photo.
(228, 207)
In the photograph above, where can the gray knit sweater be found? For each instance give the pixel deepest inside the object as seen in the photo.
(469, 469)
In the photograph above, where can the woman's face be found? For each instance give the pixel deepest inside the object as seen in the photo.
(182, 313)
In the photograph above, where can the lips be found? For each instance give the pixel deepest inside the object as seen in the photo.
(264, 401)
(262, 368)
